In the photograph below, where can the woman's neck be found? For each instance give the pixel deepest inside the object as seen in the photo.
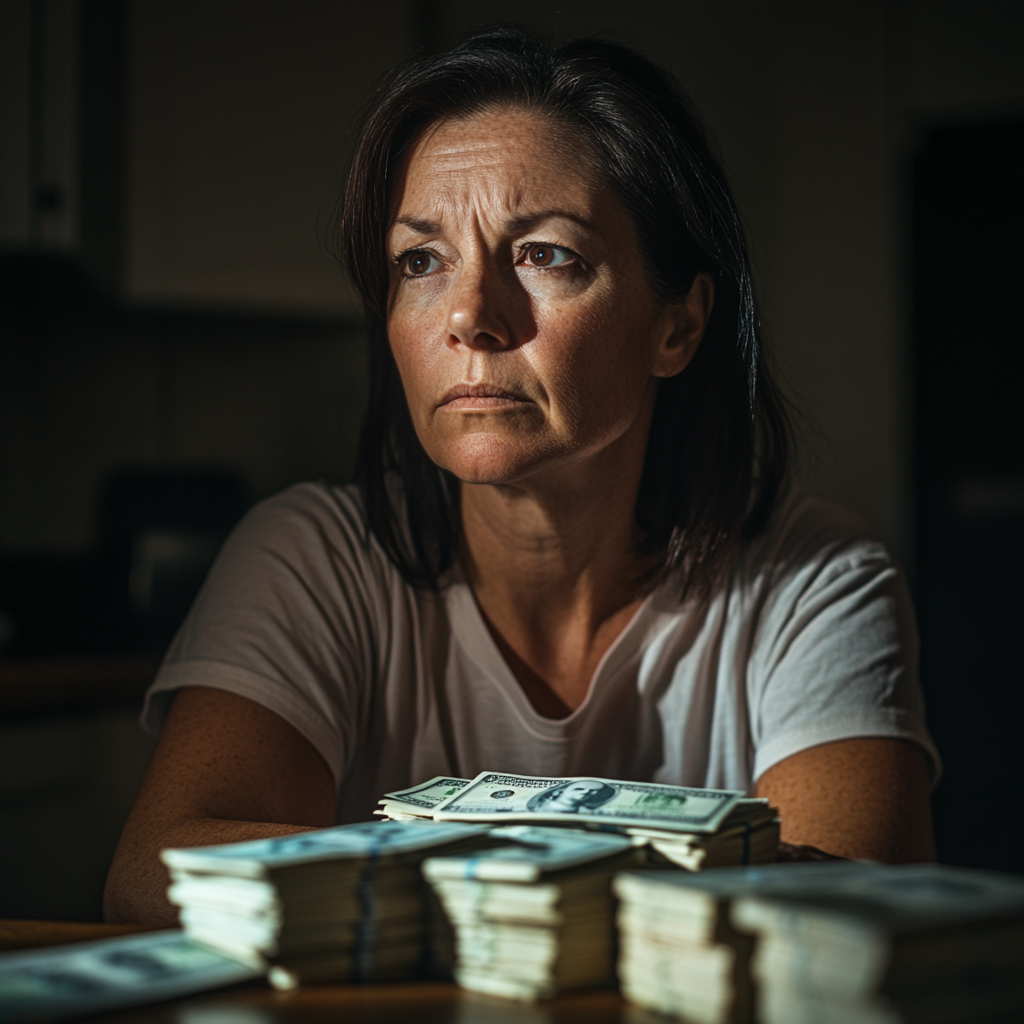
(555, 565)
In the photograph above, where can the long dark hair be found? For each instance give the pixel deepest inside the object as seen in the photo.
(719, 445)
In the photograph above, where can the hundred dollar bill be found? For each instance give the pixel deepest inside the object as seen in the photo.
(578, 800)
(91, 977)
(365, 839)
(421, 800)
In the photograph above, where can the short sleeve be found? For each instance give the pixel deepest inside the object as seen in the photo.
(286, 617)
(836, 652)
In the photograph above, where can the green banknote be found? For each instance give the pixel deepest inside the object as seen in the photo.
(492, 796)
(90, 977)
(427, 796)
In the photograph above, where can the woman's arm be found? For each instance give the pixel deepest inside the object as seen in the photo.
(226, 769)
(855, 798)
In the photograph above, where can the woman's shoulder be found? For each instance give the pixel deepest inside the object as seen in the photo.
(315, 524)
(315, 508)
(807, 532)
(313, 501)
(807, 545)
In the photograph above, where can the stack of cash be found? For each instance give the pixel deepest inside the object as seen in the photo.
(886, 945)
(678, 950)
(679, 956)
(419, 801)
(749, 834)
(90, 977)
(345, 903)
(693, 828)
(534, 917)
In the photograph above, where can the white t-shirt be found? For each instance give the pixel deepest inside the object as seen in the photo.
(810, 638)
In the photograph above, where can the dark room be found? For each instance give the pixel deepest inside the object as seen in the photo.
(511, 513)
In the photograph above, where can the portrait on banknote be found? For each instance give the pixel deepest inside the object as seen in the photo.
(572, 797)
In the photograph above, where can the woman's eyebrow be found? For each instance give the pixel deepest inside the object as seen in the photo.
(517, 225)
(420, 225)
(514, 226)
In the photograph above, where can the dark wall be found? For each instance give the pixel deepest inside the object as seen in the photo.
(969, 361)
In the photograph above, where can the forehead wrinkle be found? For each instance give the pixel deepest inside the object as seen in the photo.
(482, 202)
(497, 202)
(450, 174)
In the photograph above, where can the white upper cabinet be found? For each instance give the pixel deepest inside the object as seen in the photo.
(238, 121)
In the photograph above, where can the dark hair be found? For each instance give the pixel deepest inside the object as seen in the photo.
(718, 450)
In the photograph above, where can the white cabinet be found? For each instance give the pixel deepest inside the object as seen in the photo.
(238, 125)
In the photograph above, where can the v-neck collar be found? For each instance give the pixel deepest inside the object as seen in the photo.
(475, 639)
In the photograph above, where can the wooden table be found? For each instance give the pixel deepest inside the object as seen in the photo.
(411, 1003)
(36, 934)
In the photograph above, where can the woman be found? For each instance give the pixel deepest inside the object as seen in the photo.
(572, 549)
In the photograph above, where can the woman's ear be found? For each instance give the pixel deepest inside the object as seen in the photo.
(686, 323)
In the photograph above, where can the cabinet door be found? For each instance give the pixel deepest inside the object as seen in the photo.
(239, 116)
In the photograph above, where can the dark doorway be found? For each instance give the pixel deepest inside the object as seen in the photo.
(969, 358)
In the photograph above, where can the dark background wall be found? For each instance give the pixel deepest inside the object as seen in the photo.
(176, 333)
(968, 221)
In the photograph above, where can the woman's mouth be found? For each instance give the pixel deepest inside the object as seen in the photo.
(480, 397)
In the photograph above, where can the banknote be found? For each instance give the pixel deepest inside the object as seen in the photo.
(363, 839)
(427, 795)
(577, 800)
(532, 851)
(901, 897)
(90, 977)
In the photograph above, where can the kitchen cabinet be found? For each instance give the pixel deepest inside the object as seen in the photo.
(237, 131)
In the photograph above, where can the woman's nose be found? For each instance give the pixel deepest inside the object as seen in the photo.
(480, 314)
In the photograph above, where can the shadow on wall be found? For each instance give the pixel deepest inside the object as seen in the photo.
(159, 530)
(130, 443)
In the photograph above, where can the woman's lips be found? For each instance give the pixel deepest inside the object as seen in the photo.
(469, 397)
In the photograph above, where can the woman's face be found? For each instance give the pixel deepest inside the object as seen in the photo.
(520, 317)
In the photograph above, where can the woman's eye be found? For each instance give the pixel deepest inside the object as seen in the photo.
(547, 256)
(419, 264)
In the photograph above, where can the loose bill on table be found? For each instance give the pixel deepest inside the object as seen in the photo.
(91, 977)
(578, 800)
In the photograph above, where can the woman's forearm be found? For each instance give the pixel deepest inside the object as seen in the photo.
(865, 797)
(136, 891)
(225, 770)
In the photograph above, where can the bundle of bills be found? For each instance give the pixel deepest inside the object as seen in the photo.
(534, 917)
(419, 801)
(749, 834)
(338, 903)
(91, 977)
(581, 801)
(693, 828)
(885, 945)
(678, 951)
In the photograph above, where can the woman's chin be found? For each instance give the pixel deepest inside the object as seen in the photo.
(480, 459)
(494, 472)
